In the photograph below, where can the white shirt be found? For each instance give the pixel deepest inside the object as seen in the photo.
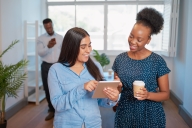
(49, 55)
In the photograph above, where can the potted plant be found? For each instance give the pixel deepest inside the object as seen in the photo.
(11, 80)
(101, 58)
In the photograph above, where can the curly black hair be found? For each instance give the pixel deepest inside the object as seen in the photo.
(151, 18)
(47, 20)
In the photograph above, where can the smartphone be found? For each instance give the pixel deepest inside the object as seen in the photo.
(53, 39)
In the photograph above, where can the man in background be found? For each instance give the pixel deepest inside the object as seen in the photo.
(48, 48)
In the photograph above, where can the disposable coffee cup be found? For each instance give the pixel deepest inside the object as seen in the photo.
(137, 84)
(110, 71)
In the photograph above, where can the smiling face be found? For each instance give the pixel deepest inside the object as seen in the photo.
(84, 50)
(49, 28)
(139, 37)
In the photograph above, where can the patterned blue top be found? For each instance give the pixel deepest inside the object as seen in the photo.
(132, 113)
(73, 104)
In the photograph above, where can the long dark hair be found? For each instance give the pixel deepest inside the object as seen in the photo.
(70, 50)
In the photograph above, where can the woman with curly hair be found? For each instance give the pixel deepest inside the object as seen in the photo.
(145, 111)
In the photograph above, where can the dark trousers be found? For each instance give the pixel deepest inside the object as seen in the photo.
(44, 74)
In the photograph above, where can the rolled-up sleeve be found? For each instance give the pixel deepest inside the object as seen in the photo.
(107, 103)
(42, 49)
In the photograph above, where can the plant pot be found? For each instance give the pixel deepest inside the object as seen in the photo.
(4, 125)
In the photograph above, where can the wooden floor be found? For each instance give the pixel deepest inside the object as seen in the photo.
(33, 116)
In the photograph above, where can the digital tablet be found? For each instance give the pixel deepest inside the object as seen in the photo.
(98, 93)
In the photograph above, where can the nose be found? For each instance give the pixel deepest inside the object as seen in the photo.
(132, 41)
(88, 49)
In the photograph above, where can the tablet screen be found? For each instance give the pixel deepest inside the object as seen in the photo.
(98, 93)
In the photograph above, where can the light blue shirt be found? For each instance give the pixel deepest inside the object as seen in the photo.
(73, 104)
(49, 55)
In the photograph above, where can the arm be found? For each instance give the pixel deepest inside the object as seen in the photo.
(60, 100)
(117, 78)
(107, 103)
(163, 93)
(42, 49)
(115, 74)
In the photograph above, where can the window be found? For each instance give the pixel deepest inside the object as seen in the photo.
(170, 32)
(121, 19)
(92, 22)
(109, 22)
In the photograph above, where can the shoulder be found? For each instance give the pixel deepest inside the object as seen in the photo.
(121, 56)
(97, 64)
(158, 59)
(58, 35)
(41, 36)
(56, 66)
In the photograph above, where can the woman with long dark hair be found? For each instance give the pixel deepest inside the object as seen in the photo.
(72, 81)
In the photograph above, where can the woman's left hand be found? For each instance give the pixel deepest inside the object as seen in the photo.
(112, 94)
(143, 94)
(120, 84)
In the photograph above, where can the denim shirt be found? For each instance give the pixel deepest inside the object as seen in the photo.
(73, 104)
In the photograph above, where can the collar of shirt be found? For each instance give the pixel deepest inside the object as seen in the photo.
(67, 64)
(54, 34)
(82, 72)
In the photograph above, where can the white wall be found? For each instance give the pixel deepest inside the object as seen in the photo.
(182, 69)
(11, 30)
(12, 16)
(187, 102)
(31, 10)
(180, 59)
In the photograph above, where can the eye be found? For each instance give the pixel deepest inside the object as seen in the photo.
(139, 40)
(89, 45)
(130, 36)
(83, 47)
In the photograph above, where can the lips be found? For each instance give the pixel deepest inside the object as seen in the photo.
(133, 47)
(86, 55)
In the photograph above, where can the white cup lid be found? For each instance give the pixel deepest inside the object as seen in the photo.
(110, 69)
(139, 83)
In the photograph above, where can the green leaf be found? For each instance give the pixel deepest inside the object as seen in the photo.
(11, 77)
(102, 59)
(9, 47)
